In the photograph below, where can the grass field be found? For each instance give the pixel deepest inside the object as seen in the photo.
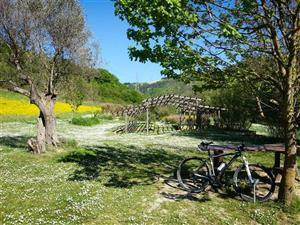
(111, 179)
(98, 177)
(115, 184)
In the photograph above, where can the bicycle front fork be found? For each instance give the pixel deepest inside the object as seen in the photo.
(253, 182)
(246, 163)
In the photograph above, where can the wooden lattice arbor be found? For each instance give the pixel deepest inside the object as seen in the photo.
(184, 104)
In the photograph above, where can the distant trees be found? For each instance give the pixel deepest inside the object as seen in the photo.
(108, 88)
(197, 40)
(45, 44)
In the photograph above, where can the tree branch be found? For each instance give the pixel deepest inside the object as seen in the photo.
(52, 73)
(273, 33)
(12, 86)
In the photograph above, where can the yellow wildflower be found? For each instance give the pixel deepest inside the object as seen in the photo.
(23, 108)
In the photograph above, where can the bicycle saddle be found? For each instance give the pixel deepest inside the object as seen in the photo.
(203, 146)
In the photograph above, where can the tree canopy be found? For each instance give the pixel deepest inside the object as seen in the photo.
(190, 38)
(42, 38)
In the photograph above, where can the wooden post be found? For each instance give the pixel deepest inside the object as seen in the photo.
(189, 121)
(126, 123)
(276, 168)
(198, 116)
(277, 160)
(218, 160)
(180, 119)
(219, 118)
(195, 119)
(198, 119)
(147, 120)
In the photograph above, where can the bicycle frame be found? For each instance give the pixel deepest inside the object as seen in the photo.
(237, 154)
(195, 174)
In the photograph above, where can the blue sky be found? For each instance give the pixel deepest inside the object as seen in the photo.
(110, 33)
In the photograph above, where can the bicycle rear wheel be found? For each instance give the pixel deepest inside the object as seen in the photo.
(193, 174)
(263, 179)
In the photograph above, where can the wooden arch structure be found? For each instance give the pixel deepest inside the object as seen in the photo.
(183, 104)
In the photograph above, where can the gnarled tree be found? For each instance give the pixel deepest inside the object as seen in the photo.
(197, 39)
(42, 42)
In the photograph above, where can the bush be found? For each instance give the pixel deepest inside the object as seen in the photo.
(97, 118)
(85, 121)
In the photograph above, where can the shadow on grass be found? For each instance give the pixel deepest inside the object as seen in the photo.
(121, 166)
(221, 135)
(172, 185)
(127, 166)
(186, 196)
(14, 141)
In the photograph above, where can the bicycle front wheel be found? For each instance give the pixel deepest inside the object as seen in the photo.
(260, 189)
(193, 175)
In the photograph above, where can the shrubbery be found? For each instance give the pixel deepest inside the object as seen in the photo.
(97, 118)
(85, 121)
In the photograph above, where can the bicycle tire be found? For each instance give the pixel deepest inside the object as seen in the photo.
(193, 174)
(264, 188)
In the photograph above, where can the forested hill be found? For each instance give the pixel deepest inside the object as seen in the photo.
(162, 87)
(106, 87)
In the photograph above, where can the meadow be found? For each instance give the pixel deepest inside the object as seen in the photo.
(99, 177)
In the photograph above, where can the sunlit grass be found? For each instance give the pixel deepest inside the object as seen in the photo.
(114, 184)
(116, 181)
(263, 130)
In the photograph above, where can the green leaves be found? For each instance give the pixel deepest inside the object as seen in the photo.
(191, 38)
(229, 31)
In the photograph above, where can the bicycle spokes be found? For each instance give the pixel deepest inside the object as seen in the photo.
(193, 175)
(261, 186)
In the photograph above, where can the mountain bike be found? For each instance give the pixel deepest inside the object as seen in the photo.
(252, 181)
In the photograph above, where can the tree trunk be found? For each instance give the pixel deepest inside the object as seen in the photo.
(38, 145)
(287, 187)
(46, 128)
(50, 130)
(286, 190)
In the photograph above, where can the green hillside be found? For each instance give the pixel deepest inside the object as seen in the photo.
(162, 87)
(102, 87)
(107, 88)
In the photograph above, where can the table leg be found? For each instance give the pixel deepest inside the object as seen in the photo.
(277, 160)
(218, 160)
(276, 168)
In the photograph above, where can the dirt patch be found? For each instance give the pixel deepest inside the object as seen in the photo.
(171, 191)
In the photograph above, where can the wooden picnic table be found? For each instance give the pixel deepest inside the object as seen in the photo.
(278, 149)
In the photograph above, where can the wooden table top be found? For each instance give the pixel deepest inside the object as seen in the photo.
(267, 147)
